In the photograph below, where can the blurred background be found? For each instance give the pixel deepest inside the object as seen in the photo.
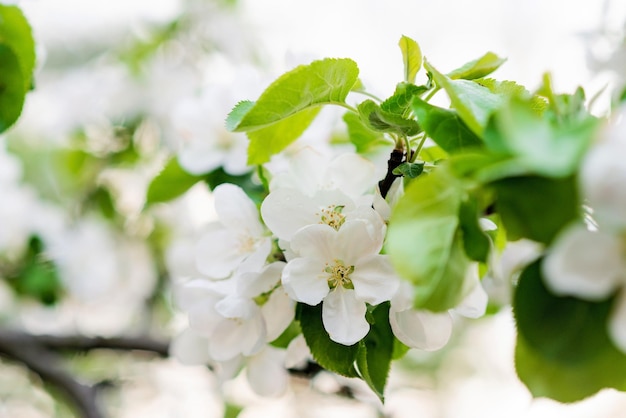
(122, 86)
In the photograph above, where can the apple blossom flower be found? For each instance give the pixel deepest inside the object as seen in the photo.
(342, 268)
(237, 236)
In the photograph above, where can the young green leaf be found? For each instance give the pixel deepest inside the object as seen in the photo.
(375, 352)
(400, 102)
(272, 139)
(553, 150)
(445, 127)
(510, 89)
(322, 82)
(409, 170)
(478, 68)
(171, 182)
(237, 113)
(327, 353)
(363, 138)
(16, 34)
(473, 102)
(379, 120)
(423, 240)
(411, 56)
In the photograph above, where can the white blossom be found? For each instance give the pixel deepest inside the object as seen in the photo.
(238, 235)
(344, 269)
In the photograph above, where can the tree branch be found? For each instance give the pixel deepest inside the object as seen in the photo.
(395, 159)
(39, 354)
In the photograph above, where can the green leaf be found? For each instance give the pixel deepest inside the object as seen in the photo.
(11, 88)
(563, 351)
(570, 331)
(410, 170)
(528, 210)
(16, 34)
(423, 241)
(253, 189)
(272, 139)
(327, 81)
(330, 355)
(536, 143)
(400, 102)
(475, 241)
(231, 410)
(411, 56)
(473, 102)
(510, 89)
(237, 113)
(478, 68)
(376, 350)
(363, 138)
(171, 182)
(445, 127)
(291, 332)
(379, 120)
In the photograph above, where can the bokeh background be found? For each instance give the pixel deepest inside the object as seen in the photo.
(120, 86)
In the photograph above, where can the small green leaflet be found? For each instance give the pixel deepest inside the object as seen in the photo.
(363, 138)
(473, 102)
(445, 127)
(400, 102)
(478, 68)
(379, 120)
(170, 183)
(410, 170)
(412, 58)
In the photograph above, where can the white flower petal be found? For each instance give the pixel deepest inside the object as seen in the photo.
(315, 242)
(304, 280)
(351, 174)
(235, 336)
(344, 316)
(617, 322)
(218, 254)
(584, 263)
(403, 298)
(285, 211)
(298, 353)
(375, 280)
(354, 242)
(266, 374)
(236, 211)
(475, 304)
(190, 348)
(200, 157)
(421, 329)
(278, 312)
(253, 284)
(304, 173)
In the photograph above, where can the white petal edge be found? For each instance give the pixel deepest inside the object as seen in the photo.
(343, 316)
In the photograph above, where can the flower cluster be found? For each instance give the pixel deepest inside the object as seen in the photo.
(318, 240)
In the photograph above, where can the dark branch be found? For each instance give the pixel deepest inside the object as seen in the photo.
(395, 159)
(40, 354)
(25, 349)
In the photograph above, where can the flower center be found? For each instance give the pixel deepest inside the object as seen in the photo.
(339, 275)
(332, 216)
(247, 244)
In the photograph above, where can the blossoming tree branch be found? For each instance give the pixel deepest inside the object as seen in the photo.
(344, 254)
(358, 268)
